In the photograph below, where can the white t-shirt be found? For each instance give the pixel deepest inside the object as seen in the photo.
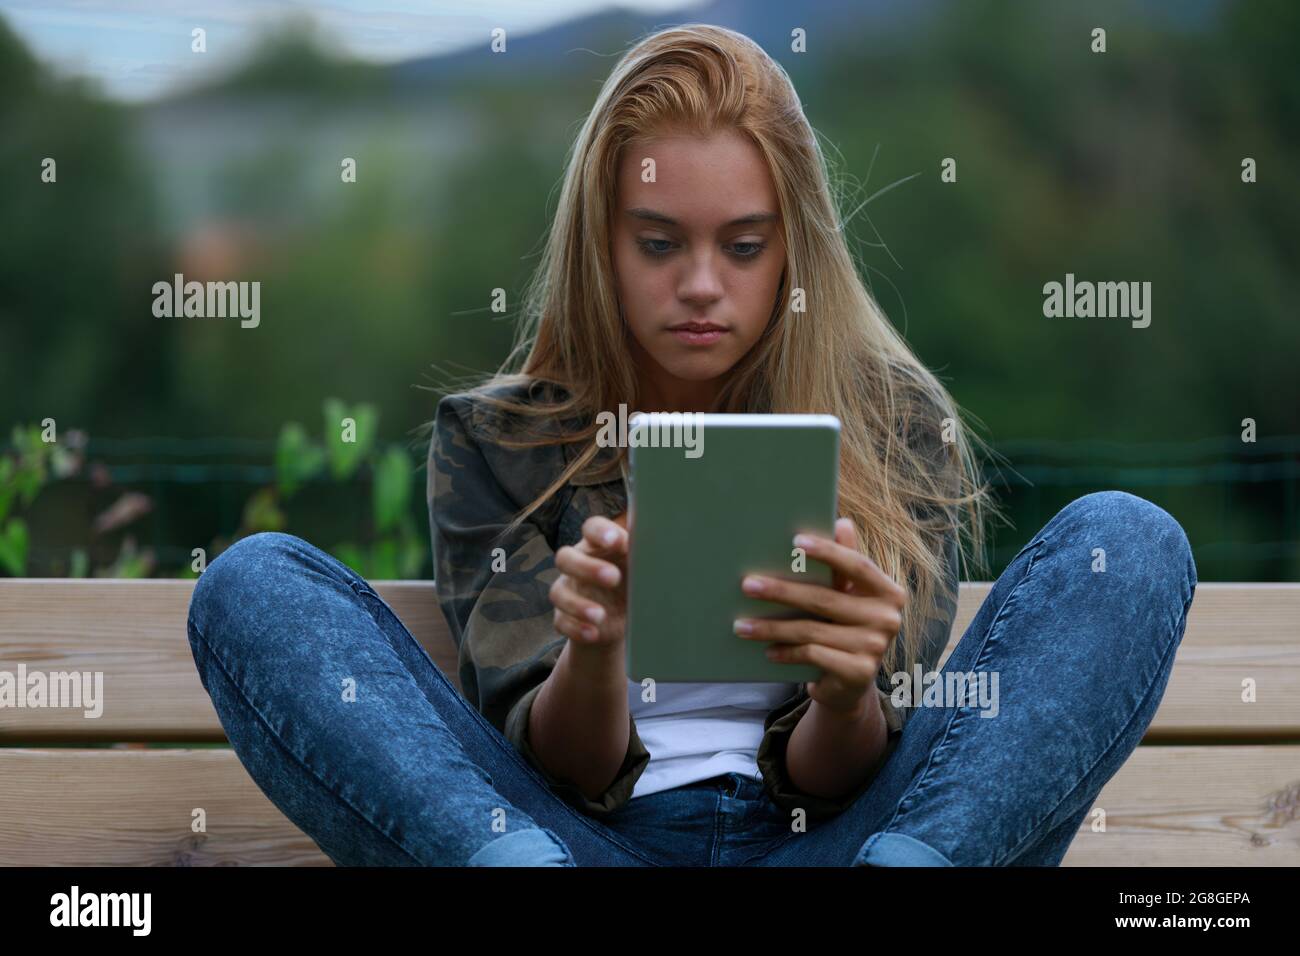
(696, 731)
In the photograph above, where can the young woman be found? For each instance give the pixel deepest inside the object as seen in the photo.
(697, 263)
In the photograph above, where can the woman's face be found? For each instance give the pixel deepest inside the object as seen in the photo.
(698, 256)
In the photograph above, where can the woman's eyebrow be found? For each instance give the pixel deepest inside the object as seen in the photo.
(640, 212)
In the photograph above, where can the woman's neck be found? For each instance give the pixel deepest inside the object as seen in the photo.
(657, 391)
(678, 396)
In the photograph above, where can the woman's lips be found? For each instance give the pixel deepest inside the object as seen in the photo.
(698, 335)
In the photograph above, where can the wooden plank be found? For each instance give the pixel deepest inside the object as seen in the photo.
(134, 632)
(1234, 632)
(134, 808)
(1197, 806)
(1168, 806)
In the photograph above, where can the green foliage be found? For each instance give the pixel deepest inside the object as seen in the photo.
(23, 473)
(349, 445)
(129, 563)
(24, 477)
(31, 465)
(80, 563)
(13, 547)
(297, 459)
(1110, 166)
(391, 489)
(394, 549)
(349, 435)
(262, 512)
(388, 558)
(8, 486)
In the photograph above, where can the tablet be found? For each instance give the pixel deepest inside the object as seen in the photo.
(712, 497)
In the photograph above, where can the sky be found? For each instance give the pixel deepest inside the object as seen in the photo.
(141, 49)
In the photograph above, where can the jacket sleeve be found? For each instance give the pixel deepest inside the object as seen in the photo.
(494, 590)
(780, 722)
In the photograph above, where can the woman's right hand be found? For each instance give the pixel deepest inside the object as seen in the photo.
(590, 595)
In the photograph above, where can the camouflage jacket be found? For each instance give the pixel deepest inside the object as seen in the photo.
(502, 620)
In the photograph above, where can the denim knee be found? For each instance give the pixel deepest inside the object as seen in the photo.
(535, 846)
(1159, 540)
(235, 575)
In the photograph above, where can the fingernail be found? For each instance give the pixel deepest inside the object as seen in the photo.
(802, 541)
(752, 585)
(743, 626)
(596, 614)
(609, 537)
(590, 633)
(609, 576)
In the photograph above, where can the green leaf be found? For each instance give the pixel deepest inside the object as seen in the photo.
(391, 491)
(27, 441)
(133, 566)
(353, 557)
(79, 566)
(345, 456)
(129, 563)
(383, 563)
(7, 488)
(13, 547)
(297, 458)
(28, 480)
(32, 451)
(262, 512)
(412, 557)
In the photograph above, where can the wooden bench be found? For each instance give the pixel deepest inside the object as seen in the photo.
(1216, 781)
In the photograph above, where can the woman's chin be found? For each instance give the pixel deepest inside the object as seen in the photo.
(698, 368)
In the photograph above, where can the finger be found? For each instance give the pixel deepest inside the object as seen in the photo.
(846, 535)
(853, 565)
(604, 535)
(608, 598)
(817, 599)
(852, 669)
(853, 640)
(587, 567)
(566, 599)
(574, 629)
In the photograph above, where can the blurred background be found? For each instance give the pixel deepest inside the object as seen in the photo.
(174, 434)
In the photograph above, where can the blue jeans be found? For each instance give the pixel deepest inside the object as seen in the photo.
(345, 723)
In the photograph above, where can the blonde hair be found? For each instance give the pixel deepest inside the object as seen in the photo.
(841, 357)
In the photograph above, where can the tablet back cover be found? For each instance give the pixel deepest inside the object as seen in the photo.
(700, 524)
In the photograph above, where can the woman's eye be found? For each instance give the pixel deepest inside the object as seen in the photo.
(661, 247)
(648, 246)
(754, 247)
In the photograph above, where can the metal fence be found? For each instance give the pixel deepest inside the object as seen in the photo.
(1237, 501)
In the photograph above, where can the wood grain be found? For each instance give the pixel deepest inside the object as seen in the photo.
(134, 632)
(1167, 806)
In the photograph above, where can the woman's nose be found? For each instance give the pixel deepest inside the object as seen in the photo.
(701, 282)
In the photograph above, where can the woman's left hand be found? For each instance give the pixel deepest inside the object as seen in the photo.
(863, 608)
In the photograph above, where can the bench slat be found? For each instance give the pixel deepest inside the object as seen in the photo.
(1234, 631)
(134, 631)
(1168, 806)
(72, 807)
(1197, 806)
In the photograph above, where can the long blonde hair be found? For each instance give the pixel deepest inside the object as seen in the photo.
(841, 356)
